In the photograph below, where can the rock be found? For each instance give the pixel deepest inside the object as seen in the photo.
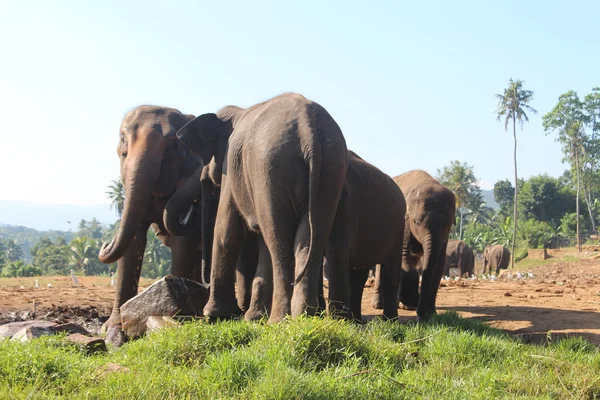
(507, 294)
(10, 329)
(155, 323)
(31, 332)
(168, 296)
(70, 328)
(87, 343)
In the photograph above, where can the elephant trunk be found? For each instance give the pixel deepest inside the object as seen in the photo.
(210, 203)
(140, 177)
(182, 208)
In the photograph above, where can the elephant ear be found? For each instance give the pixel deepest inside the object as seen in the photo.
(201, 135)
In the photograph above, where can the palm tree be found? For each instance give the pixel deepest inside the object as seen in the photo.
(116, 195)
(512, 105)
(459, 178)
(13, 250)
(81, 251)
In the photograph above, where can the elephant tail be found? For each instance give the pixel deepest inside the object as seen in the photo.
(314, 174)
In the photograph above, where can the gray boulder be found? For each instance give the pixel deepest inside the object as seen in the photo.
(169, 296)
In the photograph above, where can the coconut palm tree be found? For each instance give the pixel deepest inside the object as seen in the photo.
(512, 105)
(116, 195)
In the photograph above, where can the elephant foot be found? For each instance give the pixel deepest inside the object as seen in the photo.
(409, 308)
(425, 317)
(254, 315)
(116, 336)
(221, 310)
(377, 304)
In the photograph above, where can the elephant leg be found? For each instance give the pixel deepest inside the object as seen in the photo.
(186, 256)
(338, 264)
(228, 236)
(321, 304)
(432, 275)
(306, 292)
(358, 278)
(378, 292)
(262, 285)
(246, 269)
(391, 283)
(129, 268)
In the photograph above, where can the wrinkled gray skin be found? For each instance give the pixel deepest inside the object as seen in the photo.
(284, 161)
(459, 255)
(154, 165)
(430, 212)
(368, 229)
(495, 257)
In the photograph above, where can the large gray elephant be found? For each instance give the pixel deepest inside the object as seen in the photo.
(495, 257)
(459, 255)
(284, 161)
(430, 213)
(154, 166)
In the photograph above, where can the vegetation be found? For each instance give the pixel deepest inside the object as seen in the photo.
(308, 358)
(512, 106)
(27, 252)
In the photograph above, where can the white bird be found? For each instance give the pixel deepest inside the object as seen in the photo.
(112, 279)
(74, 279)
(529, 274)
(519, 276)
(49, 285)
(37, 285)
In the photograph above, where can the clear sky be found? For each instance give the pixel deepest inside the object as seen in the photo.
(412, 84)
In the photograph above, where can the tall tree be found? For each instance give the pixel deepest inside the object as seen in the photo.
(512, 105)
(459, 178)
(567, 119)
(116, 195)
(13, 250)
(591, 147)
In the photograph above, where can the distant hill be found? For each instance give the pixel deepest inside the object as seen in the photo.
(45, 217)
(28, 237)
(488, 196)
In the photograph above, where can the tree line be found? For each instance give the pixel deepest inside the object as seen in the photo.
(537, 212)
(57, 253)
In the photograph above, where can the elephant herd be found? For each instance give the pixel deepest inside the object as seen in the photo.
(251, 201)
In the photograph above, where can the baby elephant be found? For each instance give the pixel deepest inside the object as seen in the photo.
(368, 229)
(495, 257)
(459, 254)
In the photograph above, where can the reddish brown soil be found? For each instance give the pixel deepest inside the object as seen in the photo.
(563, 298)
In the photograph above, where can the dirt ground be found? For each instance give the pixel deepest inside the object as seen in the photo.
(563, 298)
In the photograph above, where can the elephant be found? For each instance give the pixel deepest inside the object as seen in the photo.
(284, 163)
(430, 213)
(368, 229)
(496, 257)
(155, 165)
(459, 254)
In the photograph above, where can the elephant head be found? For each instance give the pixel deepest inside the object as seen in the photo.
(207, 135)
(153, 164)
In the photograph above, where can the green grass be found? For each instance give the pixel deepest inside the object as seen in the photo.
(308, 358)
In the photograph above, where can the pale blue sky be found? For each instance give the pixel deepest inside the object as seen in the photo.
(411, 84)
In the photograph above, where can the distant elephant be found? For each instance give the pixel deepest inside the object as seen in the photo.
(459, 255)
(430, 213)
(284, 161)
(154, 166)
(495, 257)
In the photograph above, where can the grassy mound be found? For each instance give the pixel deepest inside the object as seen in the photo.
(307, 358)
